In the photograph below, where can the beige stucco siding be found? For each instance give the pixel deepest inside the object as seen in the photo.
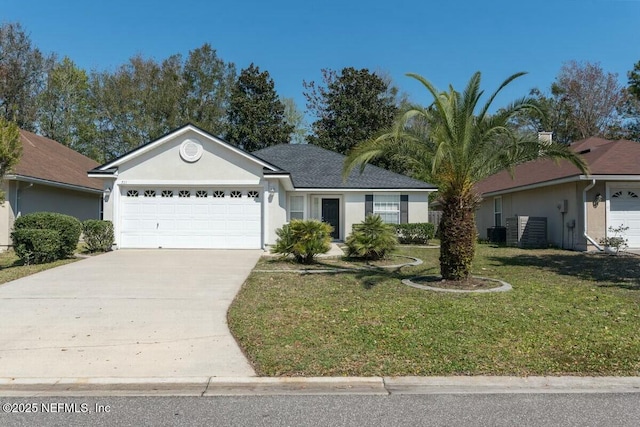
(354, 210)
(543, 202)
(163, 163)
(596, 215)
(276, 211)
(7, 214)
(540, 202)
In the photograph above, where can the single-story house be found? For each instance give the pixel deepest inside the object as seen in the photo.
(49, 177)
(579, 208)
(190, 189)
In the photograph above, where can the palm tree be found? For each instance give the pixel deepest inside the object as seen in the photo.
(454, 147)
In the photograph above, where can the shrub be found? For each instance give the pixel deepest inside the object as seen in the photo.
(68, 227)
(617, 242)
(36, 246)
(303, 239)
(371, 239)
(98, 235)
(418, 233)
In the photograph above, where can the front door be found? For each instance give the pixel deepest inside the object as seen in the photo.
(331, 215)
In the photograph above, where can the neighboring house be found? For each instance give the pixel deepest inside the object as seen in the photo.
(579, 208)
(189, 189)
(49, 177)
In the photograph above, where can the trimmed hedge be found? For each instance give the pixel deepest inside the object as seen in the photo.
(68, 228)
(417, 233)
(36, 246)
(98, 235)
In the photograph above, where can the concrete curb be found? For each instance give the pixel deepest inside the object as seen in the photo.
(261, 386)
(493, 385)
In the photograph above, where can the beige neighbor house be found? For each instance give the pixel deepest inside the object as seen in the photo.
(49, 177)
(190, 189)
(579, 209)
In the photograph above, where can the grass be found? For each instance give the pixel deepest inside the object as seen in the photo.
(11, 268)
(568, 314)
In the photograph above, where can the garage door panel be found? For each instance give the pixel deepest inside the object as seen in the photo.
(190, 222)
(624, 210)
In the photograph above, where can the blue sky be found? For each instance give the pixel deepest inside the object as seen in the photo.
(445, 41)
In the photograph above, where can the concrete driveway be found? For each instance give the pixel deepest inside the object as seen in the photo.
(128, 313)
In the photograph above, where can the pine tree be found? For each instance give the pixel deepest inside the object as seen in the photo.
(256, 115)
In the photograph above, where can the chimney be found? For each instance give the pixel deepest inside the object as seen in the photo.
(545, 137)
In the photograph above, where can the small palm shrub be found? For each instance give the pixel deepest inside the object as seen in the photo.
(304, 239)
(98, 235)
(372, 239)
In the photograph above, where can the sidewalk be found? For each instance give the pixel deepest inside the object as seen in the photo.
(260, 386)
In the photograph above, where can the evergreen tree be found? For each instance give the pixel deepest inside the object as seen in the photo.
(256, 115)
(351, 107)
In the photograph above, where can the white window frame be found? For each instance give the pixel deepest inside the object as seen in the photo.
(302, 212)
(497, 212)
(382, 207)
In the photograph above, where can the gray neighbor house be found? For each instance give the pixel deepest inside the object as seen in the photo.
(49, 177)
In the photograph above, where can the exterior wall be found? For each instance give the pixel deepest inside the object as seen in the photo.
(351, 208)
(276, 210)
(22, 198)
(541, 202)
(44, 198)
(7, 214)
(354, 210)
(218, 163)
(596, 215)
(418, 207)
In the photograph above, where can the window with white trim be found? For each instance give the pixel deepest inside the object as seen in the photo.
(296, 207)
(388, 207)
(497, 211)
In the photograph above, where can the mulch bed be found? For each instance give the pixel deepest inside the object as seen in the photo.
(470, 284)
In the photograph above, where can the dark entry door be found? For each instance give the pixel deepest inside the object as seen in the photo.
(331, 215)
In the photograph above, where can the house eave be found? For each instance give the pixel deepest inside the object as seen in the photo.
(565, 180)
(41, 181)
(353, 189)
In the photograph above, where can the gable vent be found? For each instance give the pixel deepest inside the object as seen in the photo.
(191, 150)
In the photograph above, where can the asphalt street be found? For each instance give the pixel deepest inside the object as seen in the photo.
(589, 409)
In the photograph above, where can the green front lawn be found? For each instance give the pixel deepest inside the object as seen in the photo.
(11, 268)
(568, 314)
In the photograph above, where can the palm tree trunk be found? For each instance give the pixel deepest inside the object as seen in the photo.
(457, 235)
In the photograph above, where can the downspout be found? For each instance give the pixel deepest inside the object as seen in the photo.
(584, 207)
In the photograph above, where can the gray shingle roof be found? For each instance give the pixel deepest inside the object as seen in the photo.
(311, 166)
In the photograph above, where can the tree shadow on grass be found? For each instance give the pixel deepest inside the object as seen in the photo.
(621, 271)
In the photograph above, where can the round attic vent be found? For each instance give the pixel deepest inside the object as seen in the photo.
(191, 150)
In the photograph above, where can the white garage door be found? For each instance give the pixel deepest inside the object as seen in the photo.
(625, 210)
(190, 218)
